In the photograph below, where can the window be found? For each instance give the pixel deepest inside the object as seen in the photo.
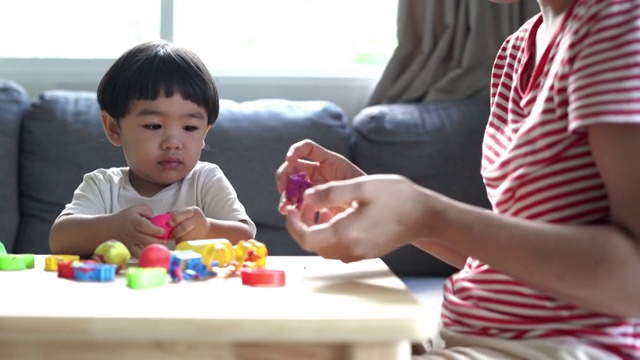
(330, 37)
(296, 49)
(238, 37)
(76, 29)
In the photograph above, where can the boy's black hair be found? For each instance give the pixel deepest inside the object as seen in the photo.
(155, 68)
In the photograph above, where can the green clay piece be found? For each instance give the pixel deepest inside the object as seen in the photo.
(29, 260)
(13, 262)
(3, 251)
(145, 278)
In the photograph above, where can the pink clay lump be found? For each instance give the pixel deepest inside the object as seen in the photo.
(162, 220)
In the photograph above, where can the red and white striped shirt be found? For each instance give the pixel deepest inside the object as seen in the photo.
(537, 164)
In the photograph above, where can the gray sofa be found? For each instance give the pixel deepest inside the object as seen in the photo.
(47, 144)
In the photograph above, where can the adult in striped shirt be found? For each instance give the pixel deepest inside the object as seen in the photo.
(554, 270)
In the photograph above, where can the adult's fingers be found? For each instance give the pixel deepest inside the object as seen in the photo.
(295, 226)
(336, 194)
(307, 149)
(321, 238)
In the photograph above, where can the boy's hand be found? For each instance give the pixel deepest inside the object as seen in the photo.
(135, 230)
(189, 224)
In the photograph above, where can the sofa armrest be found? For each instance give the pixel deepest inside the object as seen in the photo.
(13, 103)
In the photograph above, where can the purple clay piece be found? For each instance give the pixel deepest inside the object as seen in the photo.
(296, 186)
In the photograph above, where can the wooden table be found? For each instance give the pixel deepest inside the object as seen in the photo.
(327, 310)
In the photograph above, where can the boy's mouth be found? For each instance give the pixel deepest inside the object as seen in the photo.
(170, 163)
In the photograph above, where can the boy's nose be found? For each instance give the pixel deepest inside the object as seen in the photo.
(171, 143)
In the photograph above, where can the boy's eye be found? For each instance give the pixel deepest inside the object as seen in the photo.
(190, 128)
(152, 126)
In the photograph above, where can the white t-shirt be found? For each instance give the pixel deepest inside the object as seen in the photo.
(106, 191)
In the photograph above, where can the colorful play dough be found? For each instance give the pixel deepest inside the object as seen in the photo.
(162, 220)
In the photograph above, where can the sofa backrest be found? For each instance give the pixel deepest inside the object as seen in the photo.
(62, 139)
(13, 103)
(437, 145)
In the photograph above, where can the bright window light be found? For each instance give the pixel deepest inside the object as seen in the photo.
(247, 38)
(76, 29)
(288, 37)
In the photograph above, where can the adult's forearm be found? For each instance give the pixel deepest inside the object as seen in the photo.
(80, 234)
(442, 252)
(593, 266)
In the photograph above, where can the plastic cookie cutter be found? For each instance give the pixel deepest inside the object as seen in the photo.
(145, 278)
(51, 262)
(95, 272)
(218, 251)
(17, 261)
(3, 251)
(188, 265)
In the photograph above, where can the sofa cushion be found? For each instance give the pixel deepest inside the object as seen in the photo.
(13, 102)
(437, 145)
(61, 140)
(250, 140)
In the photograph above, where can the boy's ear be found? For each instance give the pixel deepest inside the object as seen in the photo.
(111, 128)
(205, 135)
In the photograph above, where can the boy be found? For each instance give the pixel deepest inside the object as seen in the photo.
(158, 103)
(552, 272)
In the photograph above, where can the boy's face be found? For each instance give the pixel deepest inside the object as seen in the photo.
(161, 139)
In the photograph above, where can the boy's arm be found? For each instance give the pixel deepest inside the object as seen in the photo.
(80, 234)
(234, 231)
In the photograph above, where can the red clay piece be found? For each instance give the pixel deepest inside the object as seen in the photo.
(262, 277)
(155, 255)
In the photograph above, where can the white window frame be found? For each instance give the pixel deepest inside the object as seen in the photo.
(350, 92)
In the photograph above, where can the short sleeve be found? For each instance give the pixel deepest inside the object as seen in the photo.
(219, 198)
(604, 81)
(87, 199)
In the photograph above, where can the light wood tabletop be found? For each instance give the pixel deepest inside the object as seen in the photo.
(326, 310)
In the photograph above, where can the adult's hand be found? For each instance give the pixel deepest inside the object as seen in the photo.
(381, 213)
(320, 164)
